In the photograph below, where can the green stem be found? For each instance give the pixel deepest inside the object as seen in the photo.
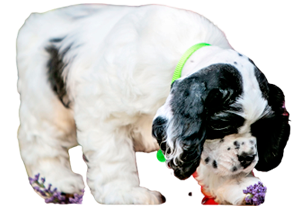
(43, 186)
(40, 185)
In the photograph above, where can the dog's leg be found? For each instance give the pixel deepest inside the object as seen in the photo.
(47, 129)
(112, 173)
(46, 132)
(225, 189)
(232, 190)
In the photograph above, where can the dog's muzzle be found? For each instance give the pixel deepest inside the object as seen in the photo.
(246, 159)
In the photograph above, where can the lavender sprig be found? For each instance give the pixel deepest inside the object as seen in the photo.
(255, 194)
(53, 196)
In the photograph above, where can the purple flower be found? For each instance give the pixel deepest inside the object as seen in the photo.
(84, 191)
(31, 181)
(55, 196)
(49, 200)
(36, 188)
(49, 187)
(43, 193)
(37, 176)
(43, 180)
(60, 197)
(255, 194)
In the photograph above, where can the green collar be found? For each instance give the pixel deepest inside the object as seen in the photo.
(184, 58)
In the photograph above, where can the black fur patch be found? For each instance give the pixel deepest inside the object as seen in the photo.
(159, 131)
(215, 165)
(262, 81)
(227, 87)
(207, 160)
(56, 66)
(272, 132)
(236, 144)
(203, 106)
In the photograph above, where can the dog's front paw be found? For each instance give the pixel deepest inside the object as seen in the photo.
(240, 193)
(135, 195)
(245, 190)
(70, 184)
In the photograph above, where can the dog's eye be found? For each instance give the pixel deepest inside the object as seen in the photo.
(219, 128)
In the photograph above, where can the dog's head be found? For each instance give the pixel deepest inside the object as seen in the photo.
(228, 97)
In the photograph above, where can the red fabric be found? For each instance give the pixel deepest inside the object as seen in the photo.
(202, 199)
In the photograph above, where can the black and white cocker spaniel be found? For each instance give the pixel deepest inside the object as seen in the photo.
(100, 76)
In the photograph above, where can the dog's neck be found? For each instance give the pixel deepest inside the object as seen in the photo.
(185, 57)
(203, 57)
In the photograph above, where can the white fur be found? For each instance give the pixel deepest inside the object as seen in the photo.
(225, 154)
(225, 189)
(120, 68)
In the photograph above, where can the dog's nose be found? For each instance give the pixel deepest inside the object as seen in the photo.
(246, 159)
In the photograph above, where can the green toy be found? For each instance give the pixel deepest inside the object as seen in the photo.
(177, 74)
(157, 162)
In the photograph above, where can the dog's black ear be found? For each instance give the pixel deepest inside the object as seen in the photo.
(272, 131)
(159, 131)
(186, 129)
(199, 102)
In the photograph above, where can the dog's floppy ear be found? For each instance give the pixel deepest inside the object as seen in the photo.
(186, 130)
(193, 106)
(272, 131)
(159, 129)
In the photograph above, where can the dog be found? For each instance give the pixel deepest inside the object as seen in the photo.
(99, 76)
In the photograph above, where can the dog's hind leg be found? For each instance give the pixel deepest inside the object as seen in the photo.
(46, 132)
(44, 149)
(47, 128)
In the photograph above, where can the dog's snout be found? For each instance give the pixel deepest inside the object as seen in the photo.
(246, 159)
